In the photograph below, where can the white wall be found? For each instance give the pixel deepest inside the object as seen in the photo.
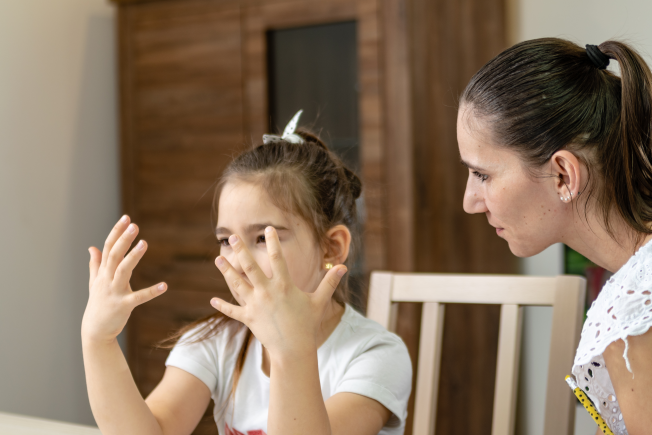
(59, 193)
(584, 22)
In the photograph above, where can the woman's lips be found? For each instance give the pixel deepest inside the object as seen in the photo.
(499, 231)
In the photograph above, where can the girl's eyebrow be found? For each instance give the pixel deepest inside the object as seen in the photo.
(250, 228)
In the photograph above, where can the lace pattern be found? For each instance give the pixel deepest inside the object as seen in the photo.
(594, 379)
(623, 308)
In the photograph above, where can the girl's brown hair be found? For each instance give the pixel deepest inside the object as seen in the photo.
(544, 95)
(306, 180)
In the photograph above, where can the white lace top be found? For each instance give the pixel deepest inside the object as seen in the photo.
(623, 308)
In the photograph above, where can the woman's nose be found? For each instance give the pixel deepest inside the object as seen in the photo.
(473, 199)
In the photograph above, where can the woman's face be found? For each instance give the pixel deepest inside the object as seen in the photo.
(525, 210)
(245, 209)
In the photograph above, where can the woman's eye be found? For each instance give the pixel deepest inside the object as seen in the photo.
(223, 242)
(260, 239)
(482, 177)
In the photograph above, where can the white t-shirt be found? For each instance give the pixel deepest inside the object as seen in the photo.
(623, 308)
(360, 356)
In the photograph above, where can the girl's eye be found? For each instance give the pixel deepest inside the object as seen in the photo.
(260, 239)
(223, 242)
(482, 177)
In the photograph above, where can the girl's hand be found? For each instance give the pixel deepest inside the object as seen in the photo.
(283, 318)
(111, 299)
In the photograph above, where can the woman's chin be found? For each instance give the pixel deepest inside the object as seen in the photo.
(524, 250)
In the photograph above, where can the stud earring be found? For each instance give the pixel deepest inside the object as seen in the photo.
(329, 266)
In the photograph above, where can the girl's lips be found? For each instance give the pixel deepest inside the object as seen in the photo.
(499, 231)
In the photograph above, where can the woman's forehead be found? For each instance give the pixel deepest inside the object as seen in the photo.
(477, 147)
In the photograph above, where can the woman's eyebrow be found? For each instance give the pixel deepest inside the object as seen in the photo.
(470, 166)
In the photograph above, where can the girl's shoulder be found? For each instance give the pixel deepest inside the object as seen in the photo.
(209, 352)
(361, 332)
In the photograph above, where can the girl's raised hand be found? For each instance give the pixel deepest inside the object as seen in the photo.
(111, 299)
(283, 318)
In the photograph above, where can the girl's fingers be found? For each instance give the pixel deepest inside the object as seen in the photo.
(238, 286)
(233, 311)
(126, 266)
(276, 259)
(114, 235)
(119, 249)
(330, 282)
(249, 265)
(146, 295)
(94, 264)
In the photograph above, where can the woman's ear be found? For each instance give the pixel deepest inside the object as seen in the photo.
(338, 241)
(567, 168)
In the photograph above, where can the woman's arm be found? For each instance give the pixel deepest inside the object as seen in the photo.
(633, 391)
(286, 320)
(116, 403)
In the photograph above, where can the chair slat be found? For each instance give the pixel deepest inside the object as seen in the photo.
(380, 294)
(567, 317)
(473, 289)
(425, 405)
(509, 346)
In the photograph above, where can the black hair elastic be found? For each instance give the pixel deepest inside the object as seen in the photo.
(598, 58)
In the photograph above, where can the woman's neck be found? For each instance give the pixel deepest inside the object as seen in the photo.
(590, 238)
(332, 317)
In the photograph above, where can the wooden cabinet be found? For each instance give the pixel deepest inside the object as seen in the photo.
(194, 92)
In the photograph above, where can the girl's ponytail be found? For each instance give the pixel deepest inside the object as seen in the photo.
(627, 155)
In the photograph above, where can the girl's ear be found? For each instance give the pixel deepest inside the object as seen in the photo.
(338, 245)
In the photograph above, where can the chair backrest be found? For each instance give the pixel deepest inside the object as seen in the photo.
(564, 293)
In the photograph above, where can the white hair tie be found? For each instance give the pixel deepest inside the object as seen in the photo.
(288, 133)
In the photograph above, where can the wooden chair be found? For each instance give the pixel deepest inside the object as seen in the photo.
(564, 293)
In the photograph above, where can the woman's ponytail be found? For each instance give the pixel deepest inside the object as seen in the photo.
(627, 157)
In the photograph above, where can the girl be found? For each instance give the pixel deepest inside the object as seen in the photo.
(559, 150)
(293, 357)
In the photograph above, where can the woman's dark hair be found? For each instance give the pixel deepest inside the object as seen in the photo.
(306, 180)
(544, 95)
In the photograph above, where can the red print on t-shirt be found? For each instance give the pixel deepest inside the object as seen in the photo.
(230, 431)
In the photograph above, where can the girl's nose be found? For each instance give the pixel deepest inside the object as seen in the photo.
(473, 199)
(233, 260)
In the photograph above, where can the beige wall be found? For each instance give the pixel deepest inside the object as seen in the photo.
(58, 193)
(584, 22)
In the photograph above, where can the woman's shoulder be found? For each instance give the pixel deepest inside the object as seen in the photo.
(623, 307)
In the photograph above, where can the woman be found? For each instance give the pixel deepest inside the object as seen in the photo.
(559, 150)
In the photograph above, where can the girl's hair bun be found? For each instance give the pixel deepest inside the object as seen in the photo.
(310, 138)
(354, 183)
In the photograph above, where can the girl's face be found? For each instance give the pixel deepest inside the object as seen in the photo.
(525, 210)
(245, 209)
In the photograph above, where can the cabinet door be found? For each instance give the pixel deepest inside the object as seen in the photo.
(182, 120)
(264, 25)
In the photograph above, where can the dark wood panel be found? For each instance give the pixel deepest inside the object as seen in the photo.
(181, 122)
(450, 41)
